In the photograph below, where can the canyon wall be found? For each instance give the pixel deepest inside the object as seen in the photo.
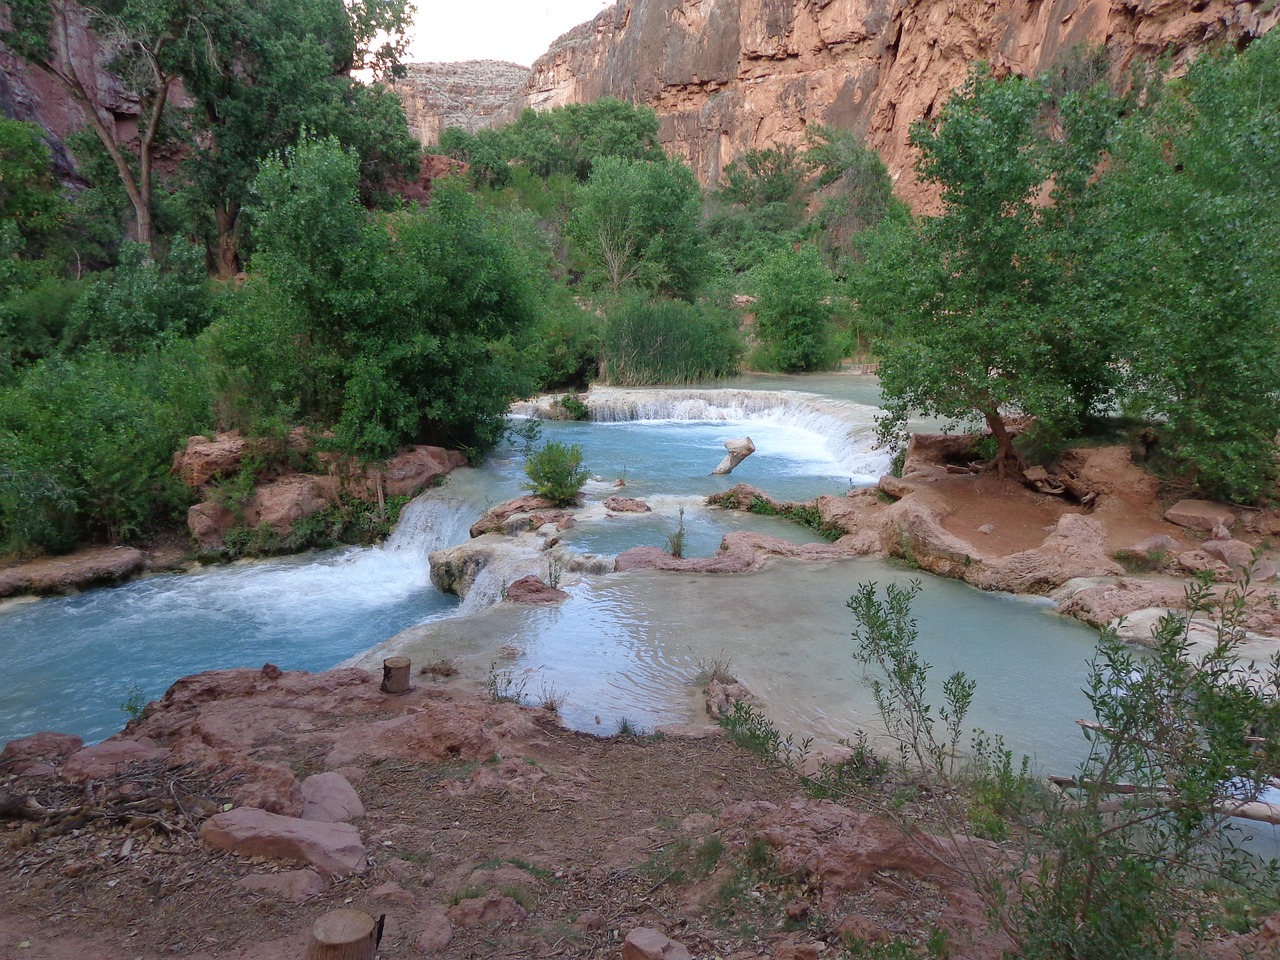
(470, 95)
(728, 76)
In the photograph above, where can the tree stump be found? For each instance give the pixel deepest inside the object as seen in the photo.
(344, 935)
(395, 675)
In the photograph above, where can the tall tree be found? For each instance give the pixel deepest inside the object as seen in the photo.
(139, 38)
(270, 70)
(1185, 228)
(637, 224)
(978, 298)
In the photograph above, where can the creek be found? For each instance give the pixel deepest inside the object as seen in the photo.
(623, 646)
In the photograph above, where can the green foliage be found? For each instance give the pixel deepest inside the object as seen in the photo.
(30, 197)
(886, 638)
(663, 341)
(555, 471)
(387, 328)
(571, 408)
(1192, 189)
(567, 140)
(86, 446)
(636, 224)
(1179, 743)
(675, 540)
(983, 300)
(144, 302)
(135, 703)
(793, 310)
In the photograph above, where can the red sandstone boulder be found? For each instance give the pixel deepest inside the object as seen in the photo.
(205, 460)
(437, 931)
(532, 590)
(496, 519)
(412, 471)
(1201, 515)
(39, 748)
(645, 943)
(492, 909)
(84, 568)
(109, 758)
(333, 848)
(328, 797)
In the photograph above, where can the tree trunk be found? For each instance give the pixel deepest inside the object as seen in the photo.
(226, 259)
(344, 935)
(1005, 454)
(395, 675)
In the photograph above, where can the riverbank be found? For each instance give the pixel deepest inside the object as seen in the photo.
(248, 803)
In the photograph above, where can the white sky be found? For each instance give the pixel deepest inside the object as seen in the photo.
(516, 30)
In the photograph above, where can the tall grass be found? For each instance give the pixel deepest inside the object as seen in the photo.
(663, 341)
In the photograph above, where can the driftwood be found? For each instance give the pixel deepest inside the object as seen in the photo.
(1065, 485)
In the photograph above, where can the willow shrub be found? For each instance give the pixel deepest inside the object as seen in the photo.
(86, 446)
(666, 341)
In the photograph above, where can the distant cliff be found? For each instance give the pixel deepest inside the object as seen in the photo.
(728, 76)
(468, 95)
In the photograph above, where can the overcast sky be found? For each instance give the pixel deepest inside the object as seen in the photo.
(515, 30)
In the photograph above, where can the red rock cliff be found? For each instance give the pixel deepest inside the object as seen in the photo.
(728, 76)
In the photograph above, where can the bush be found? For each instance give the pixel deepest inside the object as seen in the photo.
(661, 341)
(86, 446)
(793, 310)
(555, 471)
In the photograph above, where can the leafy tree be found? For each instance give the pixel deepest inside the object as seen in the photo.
(1180, 227)
(141, 37)
(636, 224)
(30, 197)
(388, 328)
(980, 300)
(264, 72)
(793, 309)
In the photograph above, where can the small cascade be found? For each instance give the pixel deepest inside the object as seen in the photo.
(514, 561)
(429, 522)
(846, 429)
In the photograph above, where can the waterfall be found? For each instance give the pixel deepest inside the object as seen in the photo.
(429, 522)
(847, 428)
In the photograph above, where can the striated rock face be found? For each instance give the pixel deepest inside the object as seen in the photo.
(468, 95)
(728, 76)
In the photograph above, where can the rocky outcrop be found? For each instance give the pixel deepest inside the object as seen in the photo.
(95, 566)
(471, 95)
(280, 500)
(728, 76)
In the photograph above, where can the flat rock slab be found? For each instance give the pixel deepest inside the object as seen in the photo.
(332, 848)
(106, 759)
(1201, 515)
(296, 885)
(330, 798)
(67, 574)
(645, 943)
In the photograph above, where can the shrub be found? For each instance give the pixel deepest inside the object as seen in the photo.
(793, 310)
(661, 341)
(555, 471)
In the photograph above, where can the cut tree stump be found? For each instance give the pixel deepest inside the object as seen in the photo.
(395, 675)
(344, 935)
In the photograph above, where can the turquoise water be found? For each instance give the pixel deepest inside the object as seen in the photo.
(622, 644)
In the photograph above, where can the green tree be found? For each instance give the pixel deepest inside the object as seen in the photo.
(265, 71)
(793, 309)
(1180, 227)
(636, 223)
(388, 328)
(980, 301)
(142, 37)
